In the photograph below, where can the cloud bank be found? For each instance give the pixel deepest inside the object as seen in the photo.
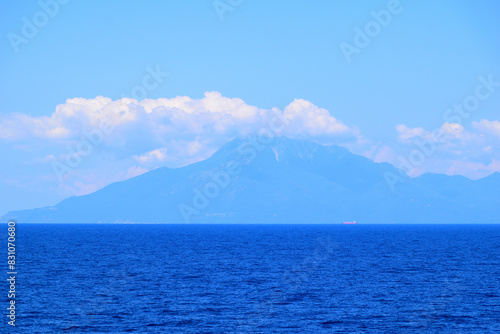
(451, 149)
(177, 131)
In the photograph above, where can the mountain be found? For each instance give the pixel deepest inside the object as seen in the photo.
(282, 181)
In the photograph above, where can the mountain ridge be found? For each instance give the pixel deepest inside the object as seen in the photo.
(282, 181)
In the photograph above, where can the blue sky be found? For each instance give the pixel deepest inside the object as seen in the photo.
(268, 54)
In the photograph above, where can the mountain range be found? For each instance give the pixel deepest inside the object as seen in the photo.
(281, 180)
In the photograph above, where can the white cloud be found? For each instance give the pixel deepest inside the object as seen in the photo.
(452, 130)
(307, 119)
(405, 133)
(155, 156)
(384, 154)
(135, 171)
(489, 127)
(450, 149)
(190, 129)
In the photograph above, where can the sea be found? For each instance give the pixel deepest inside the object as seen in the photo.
(154, 278)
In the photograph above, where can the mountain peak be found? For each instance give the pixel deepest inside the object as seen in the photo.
(492, 176)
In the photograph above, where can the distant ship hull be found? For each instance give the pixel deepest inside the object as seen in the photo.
(349, 223)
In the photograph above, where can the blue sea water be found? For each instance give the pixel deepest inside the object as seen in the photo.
(257, 279)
